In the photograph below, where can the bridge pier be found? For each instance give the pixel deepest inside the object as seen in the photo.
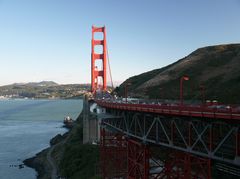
(92, 116)
(90, 123)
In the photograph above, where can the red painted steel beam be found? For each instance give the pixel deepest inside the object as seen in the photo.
(138, 160)
(113, 155)
(185, 166)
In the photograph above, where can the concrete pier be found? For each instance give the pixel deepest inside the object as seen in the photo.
(91, 130)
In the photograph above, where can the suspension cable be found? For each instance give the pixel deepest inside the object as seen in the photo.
(109, 67)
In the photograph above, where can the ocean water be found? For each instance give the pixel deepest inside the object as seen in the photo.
(26, 126)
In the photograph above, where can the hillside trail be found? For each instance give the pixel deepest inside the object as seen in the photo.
(52, 163)
(51, 160)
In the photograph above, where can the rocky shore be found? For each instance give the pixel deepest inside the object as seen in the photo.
(67, 156)
(40, 164)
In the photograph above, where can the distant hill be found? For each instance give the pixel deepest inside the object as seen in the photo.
(42, 83)
(217, 68)
(43, 89)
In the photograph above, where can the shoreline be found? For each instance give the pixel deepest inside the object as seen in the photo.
(73, 98)
(40, 162)
(67, 156)
(36, 162)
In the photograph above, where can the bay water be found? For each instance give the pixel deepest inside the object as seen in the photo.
(26, 127)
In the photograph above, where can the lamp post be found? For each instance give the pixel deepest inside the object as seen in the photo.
(202, 88)
(126, 90)
(183, 78)
(161, 93)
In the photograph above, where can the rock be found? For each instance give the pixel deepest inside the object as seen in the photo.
(20, 166)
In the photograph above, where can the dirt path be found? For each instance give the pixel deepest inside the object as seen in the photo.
(52, 163)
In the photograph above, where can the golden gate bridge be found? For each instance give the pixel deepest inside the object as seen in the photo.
(193, 137)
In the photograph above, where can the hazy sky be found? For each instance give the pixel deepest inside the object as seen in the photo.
(51, 39)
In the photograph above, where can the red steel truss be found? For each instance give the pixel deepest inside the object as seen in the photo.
(138, 160)
(96, 73)
(218, 140)
(122, 157)
(185, 166)
(113, 154)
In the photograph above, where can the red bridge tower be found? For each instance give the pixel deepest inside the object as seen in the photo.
(98, 73)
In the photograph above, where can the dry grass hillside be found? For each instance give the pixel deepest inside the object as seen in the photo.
(217, 68)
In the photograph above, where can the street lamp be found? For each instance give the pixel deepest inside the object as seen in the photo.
(183, 78)
(161, 93)
(126, 90)
(202, 88)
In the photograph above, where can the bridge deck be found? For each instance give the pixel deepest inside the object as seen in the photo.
(232, 113)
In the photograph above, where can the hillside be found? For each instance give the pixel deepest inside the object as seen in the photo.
(73, 159)
(44, 89)
(216, 68)
(42, 83)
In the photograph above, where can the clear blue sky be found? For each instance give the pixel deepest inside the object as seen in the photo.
(51, 39)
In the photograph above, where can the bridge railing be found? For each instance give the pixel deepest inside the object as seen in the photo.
(209, 111)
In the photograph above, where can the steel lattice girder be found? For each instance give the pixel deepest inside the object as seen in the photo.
(219, 140)
(113, 154)
(183, 165)
(138, 160)
(141, 164)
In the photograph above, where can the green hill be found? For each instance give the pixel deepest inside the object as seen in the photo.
(44, 89)
(217, 68)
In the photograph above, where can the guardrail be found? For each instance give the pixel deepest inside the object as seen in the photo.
(212, 111)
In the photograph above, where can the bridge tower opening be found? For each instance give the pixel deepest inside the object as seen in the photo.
(99, 59)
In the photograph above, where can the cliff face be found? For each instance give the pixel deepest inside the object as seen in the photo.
(216, 68)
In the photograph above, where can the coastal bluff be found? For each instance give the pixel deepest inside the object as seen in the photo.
(67, 155)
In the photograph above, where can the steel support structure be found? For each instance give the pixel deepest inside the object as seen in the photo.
(213, 139)
(113, 154)
(138, 160)
(182, 165)
(96, 73)
(123, 157)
